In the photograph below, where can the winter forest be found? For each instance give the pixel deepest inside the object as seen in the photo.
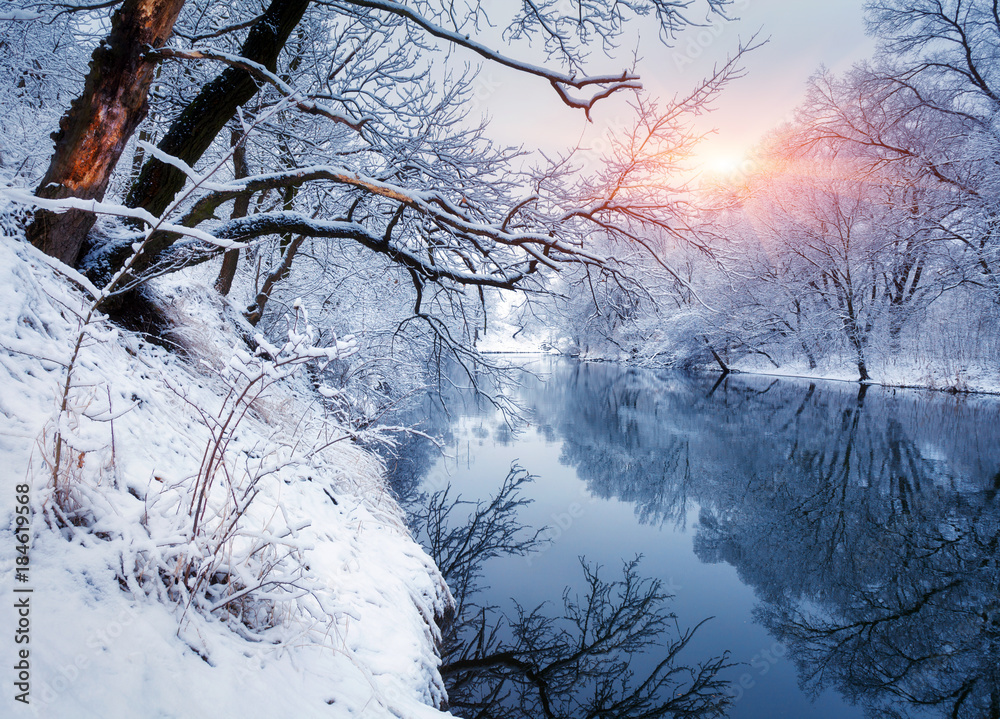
(270, 267)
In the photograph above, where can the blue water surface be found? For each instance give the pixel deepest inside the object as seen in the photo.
(841, 539)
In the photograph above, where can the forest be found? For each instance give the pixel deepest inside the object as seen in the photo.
(326, 152)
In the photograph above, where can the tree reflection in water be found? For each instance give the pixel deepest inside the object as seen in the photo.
(866, 520)
(536, 663)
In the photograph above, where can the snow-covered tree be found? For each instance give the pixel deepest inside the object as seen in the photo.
(929, 102)
(372, 146)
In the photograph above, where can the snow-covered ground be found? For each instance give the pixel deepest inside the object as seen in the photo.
(974, 377)
(301, 594)
(953, 374)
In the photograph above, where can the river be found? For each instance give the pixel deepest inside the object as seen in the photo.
(843, 540)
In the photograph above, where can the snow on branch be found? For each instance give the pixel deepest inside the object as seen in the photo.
(302, 102)
(116, 210)
(19, 15)
(429, 203)
(559, 80)
(272, 223)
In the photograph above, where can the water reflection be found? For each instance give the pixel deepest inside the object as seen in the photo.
(865, 520)
(537, 662)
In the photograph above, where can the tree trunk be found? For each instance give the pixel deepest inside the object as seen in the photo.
(196, 128)
(858, 343)
(256, 311)
(863, 375)
(93, 132)
(722, 364)
(810, 357)
(191, 134)
(230, 261)
(241, 208)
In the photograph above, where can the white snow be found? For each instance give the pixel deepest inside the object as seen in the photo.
(342, 621)
(15, 15)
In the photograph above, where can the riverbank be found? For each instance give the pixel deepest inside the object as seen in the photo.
(282, 581)
(962, 373)
(977, 380)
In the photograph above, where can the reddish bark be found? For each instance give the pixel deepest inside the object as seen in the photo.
(93, 132)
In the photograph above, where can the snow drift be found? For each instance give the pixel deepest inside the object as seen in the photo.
(210, 541)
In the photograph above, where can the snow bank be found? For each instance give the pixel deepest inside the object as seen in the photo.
(307, 596)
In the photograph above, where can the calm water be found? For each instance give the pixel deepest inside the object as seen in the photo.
(844, 542)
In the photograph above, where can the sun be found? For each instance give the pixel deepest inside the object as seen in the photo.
(721, 164)
(717, 159)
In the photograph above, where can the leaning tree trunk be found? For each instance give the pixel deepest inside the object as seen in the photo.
(202, 120)
(93, 132)
(194, 130)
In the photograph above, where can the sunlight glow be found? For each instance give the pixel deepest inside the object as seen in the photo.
(721, 164)
(717, 161)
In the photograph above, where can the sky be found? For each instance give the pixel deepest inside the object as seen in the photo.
(803, 35)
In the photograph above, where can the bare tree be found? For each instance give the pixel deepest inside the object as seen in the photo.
(93, 133)
(928, 102)
(255, 63)
(363, 146)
